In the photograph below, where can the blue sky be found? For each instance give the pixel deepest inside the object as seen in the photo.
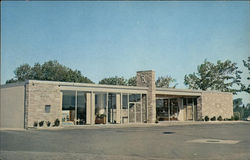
(103, 39)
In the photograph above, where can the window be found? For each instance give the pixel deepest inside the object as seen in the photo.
(134, 98)
(47, 108)
(125, 101)
(184, 101)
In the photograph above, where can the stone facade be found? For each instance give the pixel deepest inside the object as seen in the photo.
(199, 109)
(37, 96)
(147, 79)
(32, 97)
(12, 106)
(217, 104)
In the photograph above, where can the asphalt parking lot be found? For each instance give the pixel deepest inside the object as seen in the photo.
(203, 141)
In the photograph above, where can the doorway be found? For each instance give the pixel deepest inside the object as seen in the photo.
(190, 109)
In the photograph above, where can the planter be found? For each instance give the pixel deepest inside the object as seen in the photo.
(100, 120)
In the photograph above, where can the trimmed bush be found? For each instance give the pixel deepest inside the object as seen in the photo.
(35, 124)
(41, 123)
(219, 118)
(57, 122)
(48, 123)
(213, 118)
(206, 118)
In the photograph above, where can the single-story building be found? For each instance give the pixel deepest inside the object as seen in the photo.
(25, 104)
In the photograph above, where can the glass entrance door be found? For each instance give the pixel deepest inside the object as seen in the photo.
(190, 109)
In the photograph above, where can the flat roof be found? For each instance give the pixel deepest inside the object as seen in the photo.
(167, 91)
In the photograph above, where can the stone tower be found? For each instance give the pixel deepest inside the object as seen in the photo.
(147, 79)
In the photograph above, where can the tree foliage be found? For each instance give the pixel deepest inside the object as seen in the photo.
(114, 81)
(222, 76)
(132, 81)
(160, 82)
(165, 82)
(237, 102)
(246, 88)
(50, 71)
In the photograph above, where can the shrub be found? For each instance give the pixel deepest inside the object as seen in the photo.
(219, 118)
(41, 123)
(236, 116)
(100, 116)
(57, 122)
(48, 123)
(35, 124)
(213, 118)
(206, 118)
(231, 119)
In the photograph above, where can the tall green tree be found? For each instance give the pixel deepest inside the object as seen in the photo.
(164, 82)
(50, 71)
(246, 88)
(222, 76)
(239, 107)
(132, 81)
(237, 102)
(160, 82)
(114, 81)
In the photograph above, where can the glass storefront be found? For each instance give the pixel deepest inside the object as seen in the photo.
(106, 108)
(124, 110)
(168, 109)
(68, 106)
(135, 108)
(74, 107)
(190, 108)
(162, 110)
(112, 111)
(81, 108)
(100, 108)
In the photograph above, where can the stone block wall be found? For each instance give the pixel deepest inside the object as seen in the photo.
(217, 104)
(37, 96)
(12, 107)
(147, 79)
(199, 109)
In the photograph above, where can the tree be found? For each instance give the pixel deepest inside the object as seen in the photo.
(246, 88)
(114, 81)
(222, 76)
(23, 72)
(132, 81)
(237, 102)
(50, 71)
(165, 82)
(160, 82)
(248, 105)
(239, 107)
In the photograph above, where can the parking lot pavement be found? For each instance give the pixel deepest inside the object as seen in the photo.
(200, 141)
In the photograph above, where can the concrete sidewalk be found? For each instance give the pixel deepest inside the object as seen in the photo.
(132, 125)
